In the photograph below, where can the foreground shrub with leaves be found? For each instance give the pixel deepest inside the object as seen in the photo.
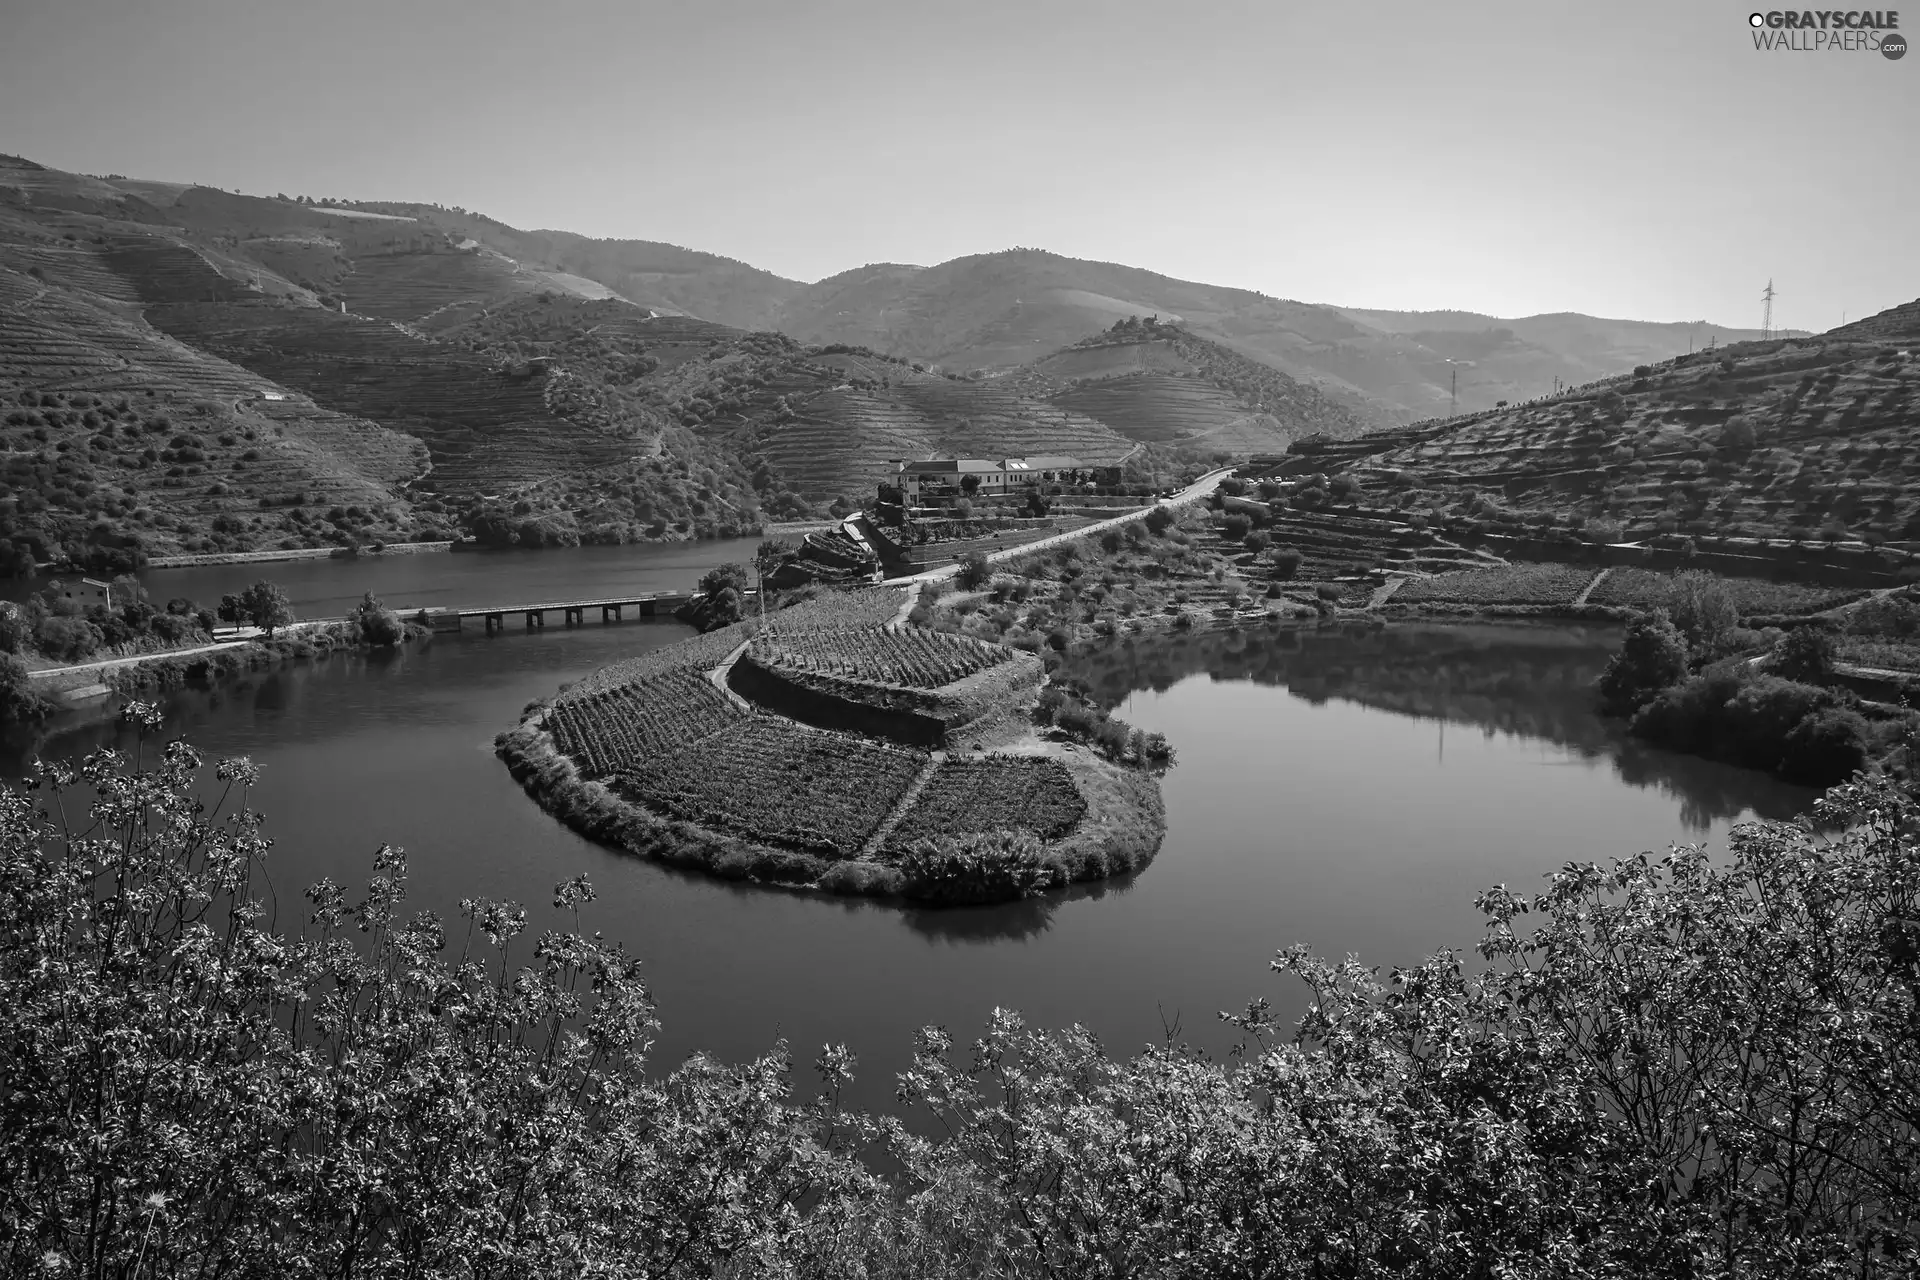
(1687, 1068)
(188, 1092)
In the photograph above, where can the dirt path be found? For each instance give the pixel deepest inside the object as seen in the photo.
(899, 810)
(1384, 592)
(1587, 590)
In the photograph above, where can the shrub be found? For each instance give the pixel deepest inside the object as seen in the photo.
(733, 574)
(66, 639)
(975, 571)
(1236, 526)
(1652, 659)
(19, 701)
(1286, 563)
(16, 630)
(1328, 591)
(1825, 747)
(376, 624)
(1805, 654)
(1256, 542)
(1703, 608)
(1158, 520)
(992, 866)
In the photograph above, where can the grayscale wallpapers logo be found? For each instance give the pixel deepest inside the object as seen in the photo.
(1829, 31)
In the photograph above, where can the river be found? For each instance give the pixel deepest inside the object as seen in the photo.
(1349, 789)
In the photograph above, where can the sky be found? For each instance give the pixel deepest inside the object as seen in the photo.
(1628, 158)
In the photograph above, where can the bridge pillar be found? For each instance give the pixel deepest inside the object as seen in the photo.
(575, 617)
(646, 608)
(495, 620)
(609, 613)
(536, 618)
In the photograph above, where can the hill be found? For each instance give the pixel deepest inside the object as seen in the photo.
(1806, 439)
(810, 424)
(193, 370)
(1001, 310)
(390, 370)
(1510, 356)
(1160, 384)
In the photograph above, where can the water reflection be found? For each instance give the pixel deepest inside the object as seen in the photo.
(1528, 680)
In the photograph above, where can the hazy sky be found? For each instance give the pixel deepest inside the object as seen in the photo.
(1622, 158)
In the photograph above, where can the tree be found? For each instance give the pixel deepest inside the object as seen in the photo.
(975, 570)
(233, 608)
(1158, 520)
(1286, 563)
(970, 484)
(18, 699)
(1805, 654)
(378, 625)
(732, 575)
(1703, 609)
(1235, 526)
(67, 639)
(266, 606)
(1652, 659)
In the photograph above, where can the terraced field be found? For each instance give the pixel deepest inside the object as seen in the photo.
(1629, 586)
(780, 783)
(411, 286)
(840, 438)
(969, 796)
(1163, 408)
(620, 728)
(911, 658)
(1162, 385)
(1541, 584)
(486, 430)
(1792, 438)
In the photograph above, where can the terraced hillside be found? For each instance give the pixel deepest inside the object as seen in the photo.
(1160, 384)
(1810, 439)
(485, 427)
(826, 436)
(120, 440)
(288, 328)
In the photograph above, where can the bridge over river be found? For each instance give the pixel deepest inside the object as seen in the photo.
(643, 604)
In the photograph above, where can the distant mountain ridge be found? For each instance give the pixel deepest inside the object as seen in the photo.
(375, 371)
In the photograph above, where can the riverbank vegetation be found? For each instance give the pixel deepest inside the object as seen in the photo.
(1678, 1066)
(64, 623)
(1690, 677)
(25, 696)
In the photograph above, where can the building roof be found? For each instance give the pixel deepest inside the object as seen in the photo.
(1045, 464)
(950, 466)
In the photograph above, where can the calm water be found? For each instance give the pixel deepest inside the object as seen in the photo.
(329, 588)
(1350, 790)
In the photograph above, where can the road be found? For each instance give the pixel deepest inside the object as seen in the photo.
(241, 635)
(1200, 488)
